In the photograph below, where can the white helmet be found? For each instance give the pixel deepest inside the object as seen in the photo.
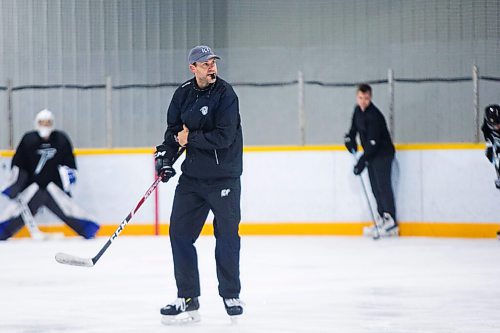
(44, 123)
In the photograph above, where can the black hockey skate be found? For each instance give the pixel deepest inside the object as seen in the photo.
(234, 306)
(182, 311)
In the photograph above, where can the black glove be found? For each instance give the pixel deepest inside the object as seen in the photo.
(350, 144)
(489, 153)
(360, 166)
(163, 164)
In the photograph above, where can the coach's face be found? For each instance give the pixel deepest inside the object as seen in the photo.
(363, 100)
(205, 72)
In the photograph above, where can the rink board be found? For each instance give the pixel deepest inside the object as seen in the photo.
(443, 190)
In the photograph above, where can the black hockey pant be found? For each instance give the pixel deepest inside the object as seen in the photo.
(193, 200)
(379, 170)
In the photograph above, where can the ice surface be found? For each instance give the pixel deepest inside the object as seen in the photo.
(290, 284)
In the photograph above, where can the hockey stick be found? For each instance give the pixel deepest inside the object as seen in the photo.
(30, 223)
(69, 259)
(377, 233)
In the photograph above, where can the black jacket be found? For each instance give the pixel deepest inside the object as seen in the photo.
(215, 141)
(39, 159)
(373, 132)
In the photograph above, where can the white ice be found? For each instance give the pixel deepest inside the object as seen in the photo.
(290, 284)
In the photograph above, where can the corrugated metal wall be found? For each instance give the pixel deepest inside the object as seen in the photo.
(44, 42)
(352, 41)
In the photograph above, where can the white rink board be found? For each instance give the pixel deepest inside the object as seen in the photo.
(453, 185)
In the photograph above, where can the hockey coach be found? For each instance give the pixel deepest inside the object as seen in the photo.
(204, 117)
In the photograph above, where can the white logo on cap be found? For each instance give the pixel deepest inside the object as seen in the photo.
(204, 110)
(205, 49)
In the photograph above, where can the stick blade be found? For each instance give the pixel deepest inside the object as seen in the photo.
(68, 259)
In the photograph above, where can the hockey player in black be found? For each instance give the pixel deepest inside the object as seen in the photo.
(491, 131)
(43, 167)
(369, 123)
(203, 116)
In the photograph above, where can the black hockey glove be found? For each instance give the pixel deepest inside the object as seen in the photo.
(360, 166)
(163, 164)
(350, 144)
(489, 153)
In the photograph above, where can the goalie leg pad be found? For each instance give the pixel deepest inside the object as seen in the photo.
(10, 227)
(62, 205)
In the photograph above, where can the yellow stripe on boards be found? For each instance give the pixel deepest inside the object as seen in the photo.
(463, 230)
(113, 151)
(264, 149)
(439, 146)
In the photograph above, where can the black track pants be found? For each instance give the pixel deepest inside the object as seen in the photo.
(379, 170)
(193, 200)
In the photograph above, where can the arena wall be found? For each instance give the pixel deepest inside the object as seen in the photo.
(443, 190)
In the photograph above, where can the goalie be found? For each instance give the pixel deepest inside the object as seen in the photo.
(43, 168)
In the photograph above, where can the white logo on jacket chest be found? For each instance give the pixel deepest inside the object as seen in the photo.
(204, 110)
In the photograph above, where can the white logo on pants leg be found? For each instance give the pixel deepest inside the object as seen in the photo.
(225, 193)
(204, 110)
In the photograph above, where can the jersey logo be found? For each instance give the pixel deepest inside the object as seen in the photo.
(204, 110)
(225, 193)
(45, 155)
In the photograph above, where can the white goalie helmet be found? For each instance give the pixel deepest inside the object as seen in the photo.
(44, 123)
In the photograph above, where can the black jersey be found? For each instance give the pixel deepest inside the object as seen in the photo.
(40, 159)
(373, 132)
(215, 141)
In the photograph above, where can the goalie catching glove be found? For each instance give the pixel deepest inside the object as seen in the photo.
(163, 164)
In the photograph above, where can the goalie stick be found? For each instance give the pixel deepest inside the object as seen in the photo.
(30, 223)
(69, 259)
(376, 235)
